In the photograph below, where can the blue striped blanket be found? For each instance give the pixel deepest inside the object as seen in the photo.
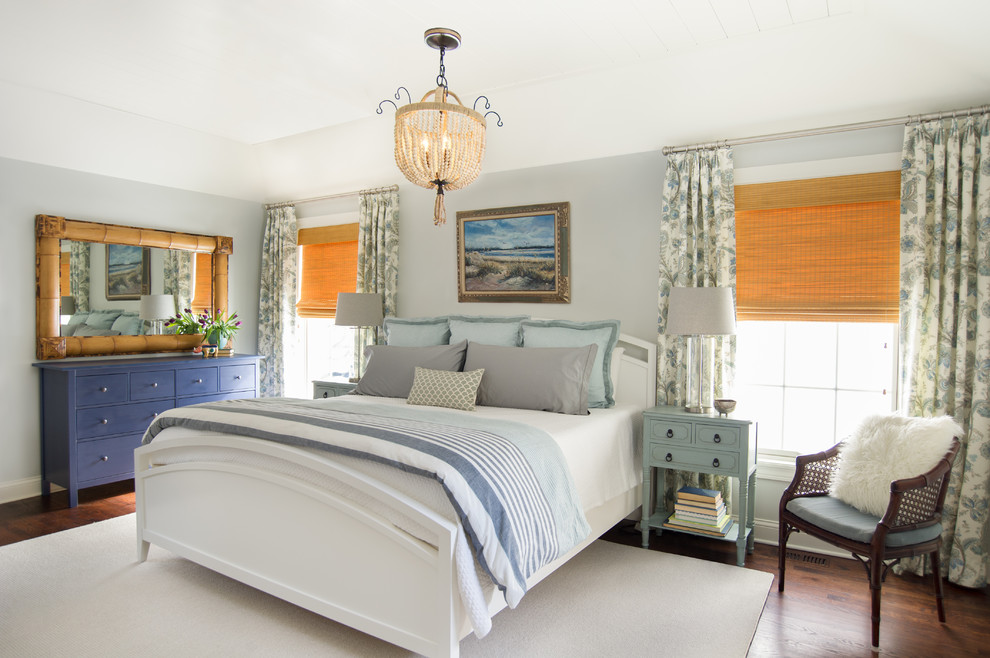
(508, 481)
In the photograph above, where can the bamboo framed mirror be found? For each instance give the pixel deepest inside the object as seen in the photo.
(51, 230)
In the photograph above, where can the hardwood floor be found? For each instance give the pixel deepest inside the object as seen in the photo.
(824, 611)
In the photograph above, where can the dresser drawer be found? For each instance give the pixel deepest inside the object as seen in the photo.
(666, 430)
(708, 436)
(235, 378)
(100, 389)
(196, 381)
(152, 385)
(708, 461)
(107, 457)
(104, 421)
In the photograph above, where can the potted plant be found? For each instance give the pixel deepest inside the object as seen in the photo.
(215, 325)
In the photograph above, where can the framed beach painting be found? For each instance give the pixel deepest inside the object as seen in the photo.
(518, 254)
(128, 271)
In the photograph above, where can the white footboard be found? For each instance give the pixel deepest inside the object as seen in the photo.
(305, 545)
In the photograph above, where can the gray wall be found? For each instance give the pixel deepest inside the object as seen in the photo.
(28, 189)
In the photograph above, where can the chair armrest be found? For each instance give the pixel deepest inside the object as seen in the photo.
(917, 502)
(812, 474)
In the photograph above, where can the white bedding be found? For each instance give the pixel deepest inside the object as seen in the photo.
(600, 449)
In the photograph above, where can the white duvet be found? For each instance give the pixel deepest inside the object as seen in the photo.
(600, 449)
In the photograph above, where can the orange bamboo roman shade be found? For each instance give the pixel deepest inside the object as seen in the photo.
(328, 266)
(203, 283)
(824, 249)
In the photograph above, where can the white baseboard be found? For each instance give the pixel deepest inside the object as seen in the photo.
(20, 489)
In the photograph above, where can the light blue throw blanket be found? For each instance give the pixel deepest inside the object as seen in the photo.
(508, 481)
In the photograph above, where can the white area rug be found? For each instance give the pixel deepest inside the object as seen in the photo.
(82, 593)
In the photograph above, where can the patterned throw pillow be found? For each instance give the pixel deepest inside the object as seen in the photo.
(445, 388)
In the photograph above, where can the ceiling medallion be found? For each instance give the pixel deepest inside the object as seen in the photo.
(439, 142)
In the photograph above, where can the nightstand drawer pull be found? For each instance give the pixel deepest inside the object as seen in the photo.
(715, 462)
(669, 457)
(670, 433)
(717, 439)
(326, 394)
(237, 376)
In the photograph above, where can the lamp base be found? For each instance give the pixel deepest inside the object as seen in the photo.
(698, 410)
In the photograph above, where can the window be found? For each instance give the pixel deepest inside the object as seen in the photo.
(327, 265)
(817, 297)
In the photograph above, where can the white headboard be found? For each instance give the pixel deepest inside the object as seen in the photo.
(637, 382)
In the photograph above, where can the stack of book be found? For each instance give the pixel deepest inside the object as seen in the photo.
(700, 510)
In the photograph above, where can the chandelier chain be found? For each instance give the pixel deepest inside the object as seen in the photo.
(441, 77)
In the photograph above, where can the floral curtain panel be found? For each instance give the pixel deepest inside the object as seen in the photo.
(945, 317)
(79, 273)
(177, 279)
(278, 325)
(378, 260)
(697, 248)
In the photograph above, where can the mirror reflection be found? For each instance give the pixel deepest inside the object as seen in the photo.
(112, 289)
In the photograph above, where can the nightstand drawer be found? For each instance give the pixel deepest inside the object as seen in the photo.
(666, 430)
(708, 436)
(107, 457)
(689, 459)
(100, 389)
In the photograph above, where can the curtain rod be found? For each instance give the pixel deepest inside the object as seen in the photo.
(667, 150)
(341, 195)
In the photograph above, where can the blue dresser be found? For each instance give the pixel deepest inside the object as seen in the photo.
(94, 411)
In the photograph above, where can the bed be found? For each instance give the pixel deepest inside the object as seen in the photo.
(361, 542)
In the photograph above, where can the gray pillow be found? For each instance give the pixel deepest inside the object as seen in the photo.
(87, 330)
(568, 333)
(544, 378)
(128, 324)
(489, 330)
(391, 368)
(102, 319)
(416, 332)
(78, 318)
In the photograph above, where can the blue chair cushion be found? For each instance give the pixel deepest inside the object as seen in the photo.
(835, 516)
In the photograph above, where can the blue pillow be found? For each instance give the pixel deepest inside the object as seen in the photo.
(102, 319)
(416, 332)
(487, 330)
(128, 324)
(567, 333)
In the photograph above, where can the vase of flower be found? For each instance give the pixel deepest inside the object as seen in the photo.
(215, 325)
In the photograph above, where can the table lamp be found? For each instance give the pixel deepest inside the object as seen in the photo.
(156, 308)
(359, 309)
(699, 313)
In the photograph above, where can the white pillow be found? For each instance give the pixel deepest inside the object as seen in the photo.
(885, 448)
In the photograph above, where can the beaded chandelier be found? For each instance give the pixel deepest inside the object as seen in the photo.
(439, 142)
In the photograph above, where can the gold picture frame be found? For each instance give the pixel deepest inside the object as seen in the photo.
(514, 254)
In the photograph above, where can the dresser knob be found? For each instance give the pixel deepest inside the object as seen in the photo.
(670, 433)
(104, 458)
(237, 376)
(104, 421)
(154, 415)
(669, 457)
(715, 462)
(197, 381)
(154, 384)
(103, 389)
(718, 439)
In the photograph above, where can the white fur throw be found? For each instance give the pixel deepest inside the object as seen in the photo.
(886, 448)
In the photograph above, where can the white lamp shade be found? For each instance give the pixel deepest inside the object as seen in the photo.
(156, 307)
(359, 309)
(701, 312)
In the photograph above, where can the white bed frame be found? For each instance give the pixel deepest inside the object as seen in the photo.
(308, 546)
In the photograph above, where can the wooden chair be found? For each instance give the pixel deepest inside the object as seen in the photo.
(911, 525)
